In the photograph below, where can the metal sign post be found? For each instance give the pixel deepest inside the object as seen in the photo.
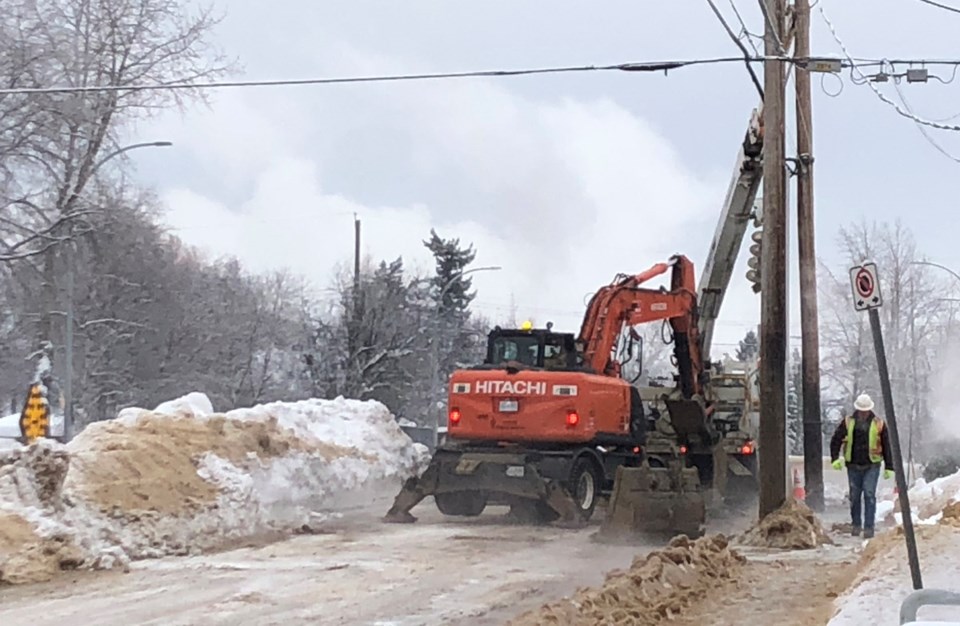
(866, 296)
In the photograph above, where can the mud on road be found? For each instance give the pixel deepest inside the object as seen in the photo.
(354, 570)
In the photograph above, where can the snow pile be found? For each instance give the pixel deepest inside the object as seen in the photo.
(927, 501)
(194, 404)
(657, 586)
(183, 479)
(793, 527)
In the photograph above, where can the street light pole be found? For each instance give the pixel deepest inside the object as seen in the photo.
(434, 352)
(68, 425)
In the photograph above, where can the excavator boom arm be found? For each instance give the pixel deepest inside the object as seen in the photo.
(625, 303)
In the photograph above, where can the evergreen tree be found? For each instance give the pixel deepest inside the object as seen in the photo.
(451, 261)
(749, 348)
(452, 342)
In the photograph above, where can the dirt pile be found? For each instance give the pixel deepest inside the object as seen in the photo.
(183, 480)
(791, 527)
(26, 557)
(951, 514)
(657, 587)
(153, 465)
(32, 478)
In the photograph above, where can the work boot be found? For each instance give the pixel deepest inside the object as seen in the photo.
(868, 533)
(855, 531)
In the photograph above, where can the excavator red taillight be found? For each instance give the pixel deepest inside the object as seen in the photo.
(683, 449)
(747, 448)
(454, 417)
(573, 418)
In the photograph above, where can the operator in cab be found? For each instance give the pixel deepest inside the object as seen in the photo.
(554, 356)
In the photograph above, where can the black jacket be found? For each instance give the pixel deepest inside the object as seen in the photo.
(860, 452)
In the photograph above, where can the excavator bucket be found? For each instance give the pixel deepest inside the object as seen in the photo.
(648, 500)
(414, 490)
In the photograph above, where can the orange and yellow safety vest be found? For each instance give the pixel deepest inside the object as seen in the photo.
(874, 445)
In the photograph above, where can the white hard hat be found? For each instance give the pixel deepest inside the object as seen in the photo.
(863, 403)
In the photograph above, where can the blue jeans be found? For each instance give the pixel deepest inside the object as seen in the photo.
(863, 483)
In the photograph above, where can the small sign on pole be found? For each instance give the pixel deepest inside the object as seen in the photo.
(35, 417)
(866, 287)
(866, 297)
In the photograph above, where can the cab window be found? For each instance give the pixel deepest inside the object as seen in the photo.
(525, 350)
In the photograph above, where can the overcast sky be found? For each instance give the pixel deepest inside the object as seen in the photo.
(563, 180)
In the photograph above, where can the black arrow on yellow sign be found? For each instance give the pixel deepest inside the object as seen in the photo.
(35, 417)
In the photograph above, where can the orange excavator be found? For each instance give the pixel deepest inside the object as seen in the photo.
(547, 424)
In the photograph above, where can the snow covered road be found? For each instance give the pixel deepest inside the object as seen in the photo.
(438, 571)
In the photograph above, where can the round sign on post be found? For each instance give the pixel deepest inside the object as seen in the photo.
(866, 287)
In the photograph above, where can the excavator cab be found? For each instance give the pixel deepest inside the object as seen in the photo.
(533, 348)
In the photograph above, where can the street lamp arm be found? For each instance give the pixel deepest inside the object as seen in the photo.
(460, 275)
(943, 267)
(119, 151)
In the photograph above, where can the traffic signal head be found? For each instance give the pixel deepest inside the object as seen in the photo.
(753, 274)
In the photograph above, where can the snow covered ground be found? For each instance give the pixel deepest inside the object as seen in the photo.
(182, 479)
(884, 579)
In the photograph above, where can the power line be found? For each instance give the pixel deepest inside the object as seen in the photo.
(639, 67)
(743, 27)
(945, 7)
(866, 79)
(923, 131)
(643, 66)
(739, 44)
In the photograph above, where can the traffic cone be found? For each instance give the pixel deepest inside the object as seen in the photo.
(799, 493)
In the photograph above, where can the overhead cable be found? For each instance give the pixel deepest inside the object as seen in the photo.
(870, 83)
(739, 44)
(945, 7)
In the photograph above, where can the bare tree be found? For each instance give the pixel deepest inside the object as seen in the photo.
(54, 142)
(912, 319)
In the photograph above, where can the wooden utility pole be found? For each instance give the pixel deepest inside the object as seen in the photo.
(773, 273)
(353, 331)
(356, 258)
(810, 346)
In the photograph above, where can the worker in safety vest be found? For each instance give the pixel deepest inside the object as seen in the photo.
(861, 442)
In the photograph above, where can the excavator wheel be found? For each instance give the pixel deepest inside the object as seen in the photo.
(584, 487)
(461, 503)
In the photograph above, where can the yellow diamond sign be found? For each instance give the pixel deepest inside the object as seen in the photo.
(35, 418)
